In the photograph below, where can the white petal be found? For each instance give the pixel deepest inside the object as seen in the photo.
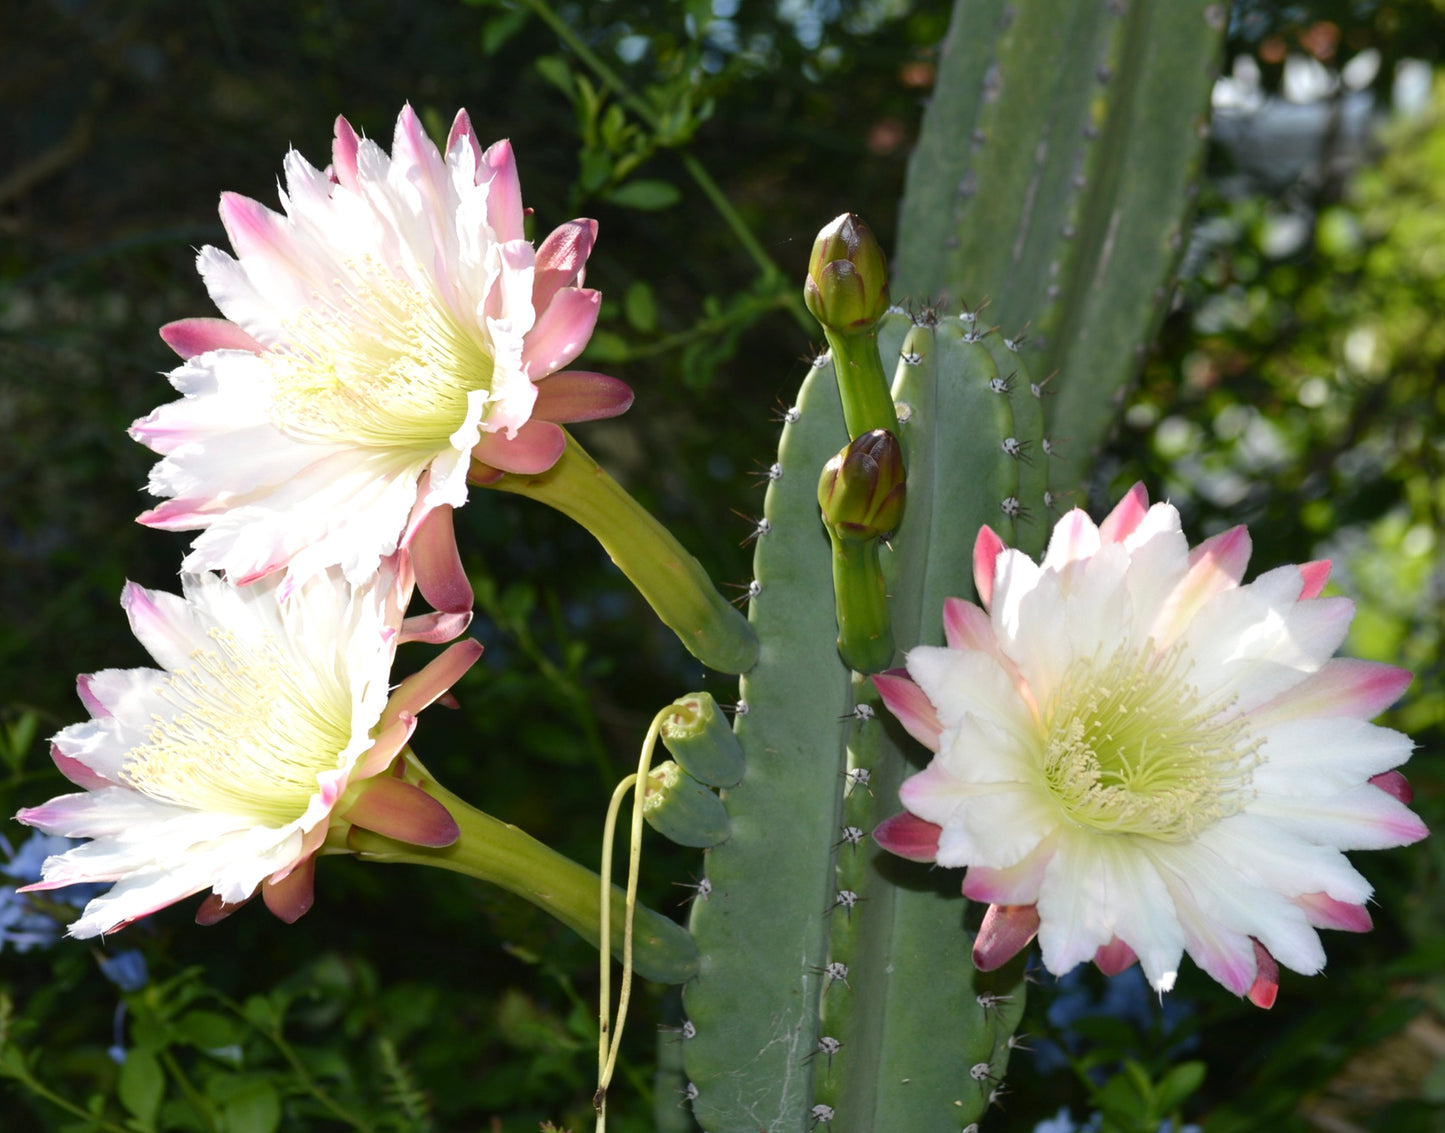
(969, 683)
(1099, 887)
(1315, 757)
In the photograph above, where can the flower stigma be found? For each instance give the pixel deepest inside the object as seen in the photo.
(1131, 747)
(383, 366)
(245, 738)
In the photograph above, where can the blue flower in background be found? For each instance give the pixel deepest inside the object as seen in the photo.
(1063, 1122)
(1127, 997)
(22, 926)
(26, 922)
(127, 970)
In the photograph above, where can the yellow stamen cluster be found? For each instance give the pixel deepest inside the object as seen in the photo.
(1131, 747)
(244, 737)
(378, 363)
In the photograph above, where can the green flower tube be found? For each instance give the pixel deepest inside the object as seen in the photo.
(861, 496)
(673, 582)
(495, 851)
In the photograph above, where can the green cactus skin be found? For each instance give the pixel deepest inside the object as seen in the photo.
(799, 894)
(755, 1001)
(1024, 445)
(1053, 169)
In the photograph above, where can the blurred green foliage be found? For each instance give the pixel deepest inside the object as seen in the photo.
(1297, 388)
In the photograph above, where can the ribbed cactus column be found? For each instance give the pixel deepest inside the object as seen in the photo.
(835, 982)
(835, 985)
(1052, 173)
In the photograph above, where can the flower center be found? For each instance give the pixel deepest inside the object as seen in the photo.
(384, 366)
(1132, 747)
(244, 737)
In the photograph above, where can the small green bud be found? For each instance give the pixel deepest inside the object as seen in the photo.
(862, 489)
(681, 809)
(698, 736)
(847, 285)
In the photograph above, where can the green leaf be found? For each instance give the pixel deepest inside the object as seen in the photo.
(640, 308)
(607, 346)
(614, 128)
(499, 29)
(264, 1013)
(1177, 1086)
(12, 1064)
(595, 170)
(248, 1104)
(209, 1031)
(554, 69)
(142, 1085)
(647, 195)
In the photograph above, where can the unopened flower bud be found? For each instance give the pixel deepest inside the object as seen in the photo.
(847, 285)
(861, 491)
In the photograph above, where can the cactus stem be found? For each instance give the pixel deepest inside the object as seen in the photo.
(862, 385)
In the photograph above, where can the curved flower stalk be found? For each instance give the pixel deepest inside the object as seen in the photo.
(1137, 756)
(388, 329)
(267, 724)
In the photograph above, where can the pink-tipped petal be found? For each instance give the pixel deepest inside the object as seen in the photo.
(483, 475)
(396, 809)
(87, 696)
(213, 910)
(1114, 957)
(1324, 911)
(462, 128)
(393, 736)
(190, 337)
(911, 705)
(537, 446)
(77, 772)
(343, 154)
(1074, 538)
(1128, 513)
(430, 682)
(498, 169)
(561, 331)
(1227, 554)
(1394, 784)
(254, 229)
(1005, 932)
(435, 628)
(1341, 687)
(908, 836)
(1314, 576)
(1215, 565)
(1265, 988)
(177, 515)
(291, 896)
(580, 395)
(1013, 885)
(410, 144)
(986, 550)
(561, 260)
(440, 576)
(965, 626)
